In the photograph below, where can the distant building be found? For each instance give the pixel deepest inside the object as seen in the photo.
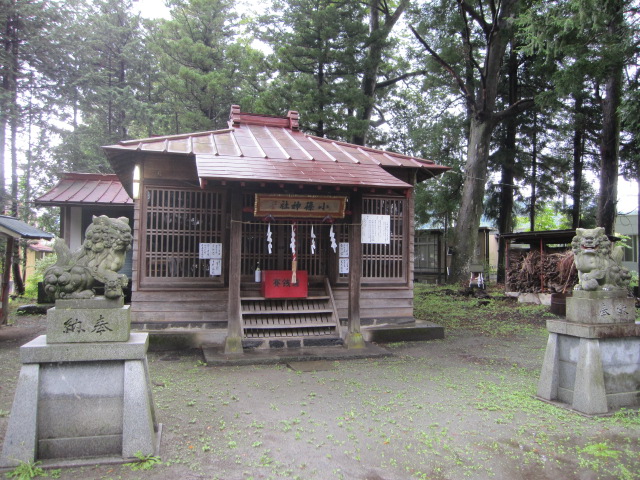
(36, 250)
(628, 225)
(431, 262)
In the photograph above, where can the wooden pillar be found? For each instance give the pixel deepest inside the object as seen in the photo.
(354, 337)
(233, 343)
(6, 276)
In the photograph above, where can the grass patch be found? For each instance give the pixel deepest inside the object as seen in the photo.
(497, 315)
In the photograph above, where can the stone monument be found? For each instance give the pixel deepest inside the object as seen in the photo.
(84, 390)
(592, 360)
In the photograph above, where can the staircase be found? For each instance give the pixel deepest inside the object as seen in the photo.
(313, 316)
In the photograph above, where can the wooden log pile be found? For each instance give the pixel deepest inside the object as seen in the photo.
(546, 273)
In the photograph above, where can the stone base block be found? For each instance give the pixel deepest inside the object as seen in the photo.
(591, 375)
(78, 325)
(590, 330)
(68, 406)
(601, 307)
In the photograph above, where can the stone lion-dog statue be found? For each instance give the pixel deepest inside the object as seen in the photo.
(598, 262)
(98, 260)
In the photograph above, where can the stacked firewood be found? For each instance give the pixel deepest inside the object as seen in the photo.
(546, 273)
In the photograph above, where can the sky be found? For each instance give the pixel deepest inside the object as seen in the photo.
(151, 8)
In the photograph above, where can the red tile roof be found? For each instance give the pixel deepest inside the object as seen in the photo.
(85, 188)
(266, 148)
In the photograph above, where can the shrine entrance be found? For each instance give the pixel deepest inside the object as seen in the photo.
(313, 247)
(285, 306)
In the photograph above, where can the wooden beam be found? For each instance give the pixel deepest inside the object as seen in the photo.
(233, 343)
(354, 336)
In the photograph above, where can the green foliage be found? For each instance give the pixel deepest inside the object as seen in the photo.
(500, 316)
(548, 217)
(204, 66)
(26, 471)
(144, 462)
(31, 286)
(318, 52)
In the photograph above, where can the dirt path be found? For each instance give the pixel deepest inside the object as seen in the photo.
(457, 408)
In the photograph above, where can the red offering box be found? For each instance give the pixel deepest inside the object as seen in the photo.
(277, 284)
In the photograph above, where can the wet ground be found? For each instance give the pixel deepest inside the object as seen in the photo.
(462, 407)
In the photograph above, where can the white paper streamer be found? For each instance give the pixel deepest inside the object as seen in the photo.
(332, 236)
(269, 239)
(293, 240)
(313, 241)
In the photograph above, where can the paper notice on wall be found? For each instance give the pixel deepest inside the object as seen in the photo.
(343, 250)
(343, 265)
(210, 250)
(376, 229)
(215, 267)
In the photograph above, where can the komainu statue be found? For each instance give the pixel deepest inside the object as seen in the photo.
(97, 260)
(598, 264)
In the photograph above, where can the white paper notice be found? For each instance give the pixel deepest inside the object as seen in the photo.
(215, 267)
(210, 250)
(343, 250)
(343, 265)
(216, 250)
(376, 229)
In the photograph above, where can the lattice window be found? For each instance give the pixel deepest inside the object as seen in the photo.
(382, 262)
(426, 258)
(177, 221)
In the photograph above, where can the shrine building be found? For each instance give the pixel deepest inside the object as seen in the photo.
(327, 225)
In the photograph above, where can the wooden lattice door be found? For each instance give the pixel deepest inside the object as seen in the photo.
(255, 246)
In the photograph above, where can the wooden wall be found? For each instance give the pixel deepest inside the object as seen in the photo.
(208, 308)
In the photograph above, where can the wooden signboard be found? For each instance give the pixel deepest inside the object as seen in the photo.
(299, 206)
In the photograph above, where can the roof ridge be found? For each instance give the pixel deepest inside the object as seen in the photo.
(177, 136)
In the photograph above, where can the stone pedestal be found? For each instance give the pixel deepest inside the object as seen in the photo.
(592, 360)
(88, 320)
(82, 400)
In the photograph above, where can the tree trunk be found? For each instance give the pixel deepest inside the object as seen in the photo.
(18, 283)
(505, 220)
(466, 229)
(610, 139)
(534, 174)
(378, 35)
(578, 150)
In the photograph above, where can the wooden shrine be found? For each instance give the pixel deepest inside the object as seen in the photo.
(212, 207)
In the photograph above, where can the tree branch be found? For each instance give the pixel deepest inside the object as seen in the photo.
(514, 109)
(466, 40)
(393, 81)
(461, 85)
(486, 28)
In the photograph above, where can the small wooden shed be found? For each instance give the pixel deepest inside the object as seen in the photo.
(13, 229)
(212, 207)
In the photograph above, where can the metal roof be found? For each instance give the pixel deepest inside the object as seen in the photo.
(86, 188)
(15, 228)
(266, 148)
(546, 236)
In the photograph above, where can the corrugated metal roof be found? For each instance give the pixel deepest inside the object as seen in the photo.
(266, 148)
(13, 227)
(295, 171)
(86, 188)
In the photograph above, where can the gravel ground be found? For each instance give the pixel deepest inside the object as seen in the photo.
(456, 408)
